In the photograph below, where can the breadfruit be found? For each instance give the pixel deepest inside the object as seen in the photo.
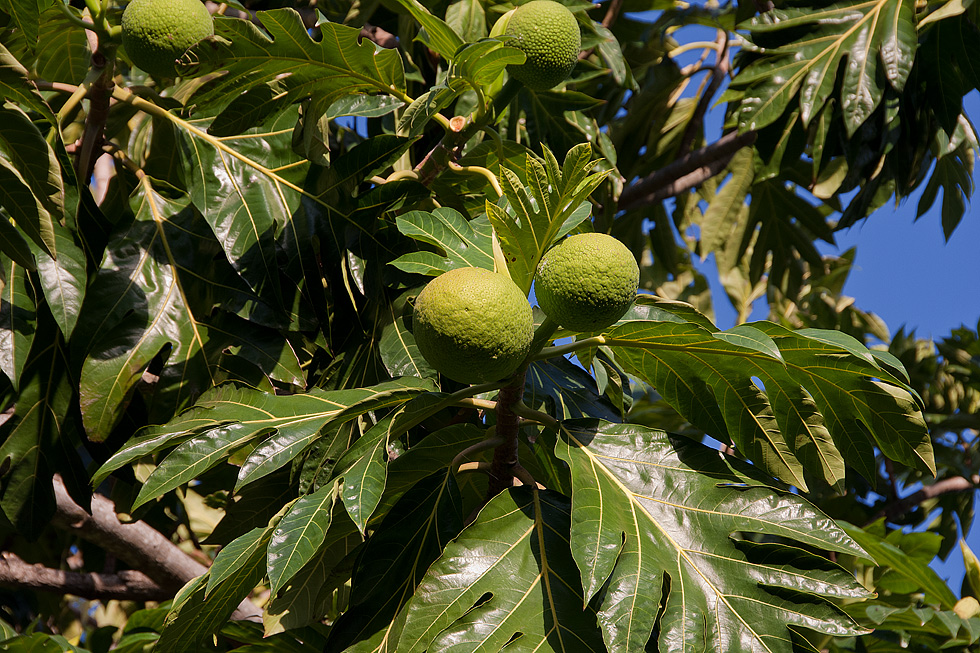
(156, 33)
(548, 34)
(473, 325)
(587, 282)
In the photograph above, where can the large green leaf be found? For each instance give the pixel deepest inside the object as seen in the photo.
(195, 615)
(63, 279)
(243, 200)
(308, 596)
(286, 60)
(31, 439)
(790, 401)
(18, 320)
(508, 576)
(30, 179)
(439, 36)
(300, 534)
(139, 304)
(660, 522)
(796, 53)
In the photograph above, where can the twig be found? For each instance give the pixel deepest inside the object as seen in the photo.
(685, 173)
(482, 445)
(127, 585)
(137, 544)
(536, 416)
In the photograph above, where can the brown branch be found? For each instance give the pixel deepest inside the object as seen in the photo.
(685, 173)
(123, 586)
(945, 486)
(138, 544)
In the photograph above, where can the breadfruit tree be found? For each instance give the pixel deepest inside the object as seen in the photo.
(234, 420)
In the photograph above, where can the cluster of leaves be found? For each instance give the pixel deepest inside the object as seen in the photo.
(230, 319)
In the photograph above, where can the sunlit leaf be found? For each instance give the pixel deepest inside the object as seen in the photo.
(802, 50)
(285, 54)
(664, 521)
(508, 576)
(462, 243)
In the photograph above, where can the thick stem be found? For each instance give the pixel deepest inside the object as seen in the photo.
(505, 459)
(98, 113)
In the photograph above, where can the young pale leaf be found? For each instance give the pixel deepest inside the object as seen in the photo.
(653, 514)
(508, 576)
(464, 243)
(336, 66)
(541, 208)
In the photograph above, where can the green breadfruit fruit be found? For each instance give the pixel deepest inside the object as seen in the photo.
(587, 282)
(548, 34)
(156, 33)
(473, 325)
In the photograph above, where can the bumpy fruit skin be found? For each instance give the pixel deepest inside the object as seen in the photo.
(156, 33)
(548, 35)
(587, 282)
(473, 325)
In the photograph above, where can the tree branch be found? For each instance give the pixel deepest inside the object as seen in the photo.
(945, 486)
(124, 586)
(137, 544)
(685, 173)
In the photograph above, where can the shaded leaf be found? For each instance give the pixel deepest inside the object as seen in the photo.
(801, 51)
